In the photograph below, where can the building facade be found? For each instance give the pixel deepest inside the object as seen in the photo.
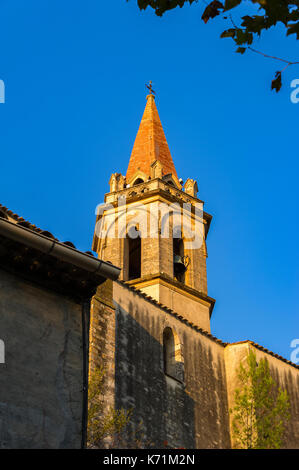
(45, 292)
(152, 326)
(142, 309)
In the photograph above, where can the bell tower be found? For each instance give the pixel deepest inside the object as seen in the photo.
(154, 228)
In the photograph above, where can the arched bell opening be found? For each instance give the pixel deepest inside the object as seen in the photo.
(179, 266)
(133, 246)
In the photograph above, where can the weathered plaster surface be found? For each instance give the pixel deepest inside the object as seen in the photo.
(41, 380)
(286, 376)
(190, 415)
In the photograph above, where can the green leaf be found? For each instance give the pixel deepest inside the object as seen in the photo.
(254, 24)
(212, 10)
(229, 33)
(229, 4)
(243, 37)
(293, 29)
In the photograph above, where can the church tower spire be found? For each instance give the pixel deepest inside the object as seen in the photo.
(150, 145)
(155, 229)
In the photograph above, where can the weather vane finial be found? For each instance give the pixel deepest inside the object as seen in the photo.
(150, 87)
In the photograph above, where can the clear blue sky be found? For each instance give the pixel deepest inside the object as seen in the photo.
(75, 74)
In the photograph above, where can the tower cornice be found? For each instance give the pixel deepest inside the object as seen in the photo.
(156, 188)
(167, 281)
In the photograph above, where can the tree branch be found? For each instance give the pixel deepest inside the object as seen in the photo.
(288, 62)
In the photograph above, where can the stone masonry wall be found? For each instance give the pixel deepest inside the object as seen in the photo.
(41, 381)
(190, 415)
(284, 374)
(102, 337)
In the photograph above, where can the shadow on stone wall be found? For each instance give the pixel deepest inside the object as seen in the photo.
(291, 384)
(159, 402)
(190, 415)
(206, 381)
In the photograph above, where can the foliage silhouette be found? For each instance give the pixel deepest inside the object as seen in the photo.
(262, 15)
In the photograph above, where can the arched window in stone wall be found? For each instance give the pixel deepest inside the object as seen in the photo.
(133, 247)
(172, 355)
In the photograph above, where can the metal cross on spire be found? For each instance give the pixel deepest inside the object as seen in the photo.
(150, 87)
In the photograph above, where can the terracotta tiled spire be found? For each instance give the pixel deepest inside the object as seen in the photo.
(150, 144)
